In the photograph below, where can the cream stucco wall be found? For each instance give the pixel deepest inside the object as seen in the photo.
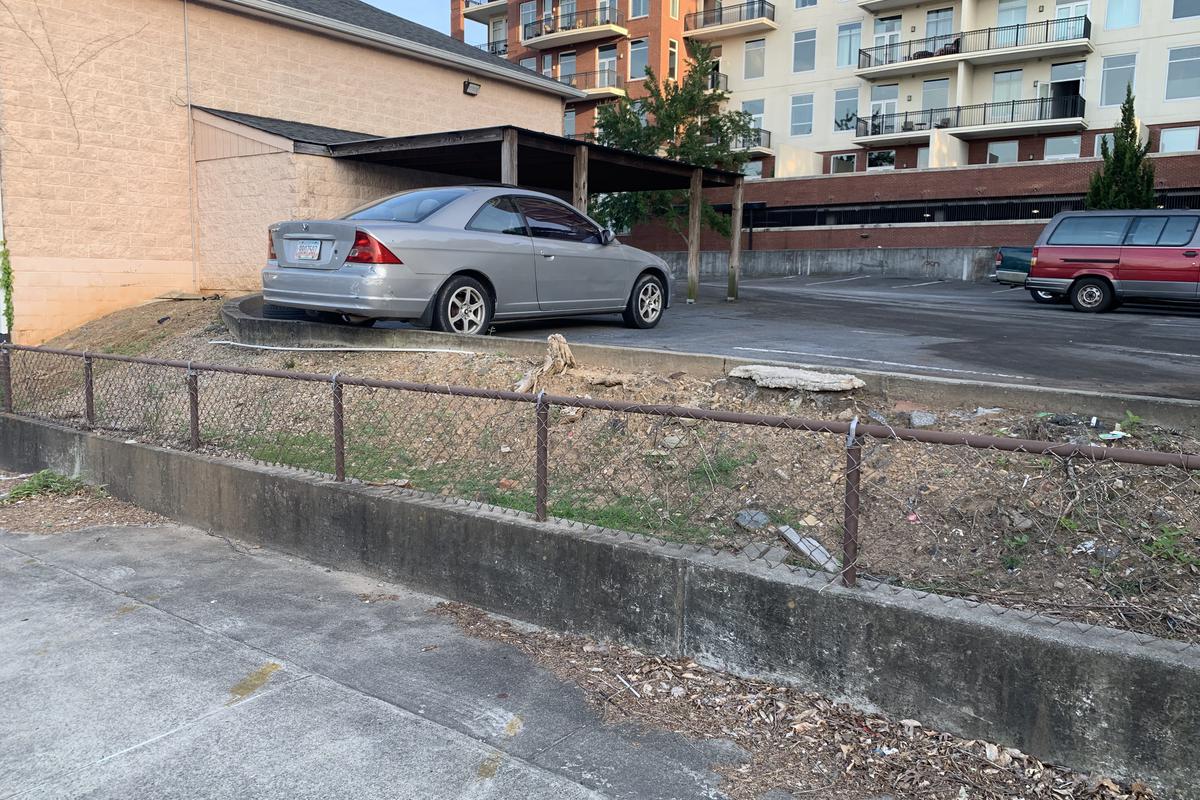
(100, 199)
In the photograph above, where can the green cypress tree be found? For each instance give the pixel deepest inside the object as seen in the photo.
(1126, 178)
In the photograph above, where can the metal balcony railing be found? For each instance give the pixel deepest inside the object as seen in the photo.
(495, 48)
(757, 138)
(1033, 33)
(576, 19)
(600, 79)
(757, 9)
(1042, 108)
(718, 82)
(476, 3)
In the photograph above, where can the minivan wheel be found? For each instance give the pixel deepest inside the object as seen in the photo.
(1044, 297)
(1091, 294)
(646, 303)
(464, 306)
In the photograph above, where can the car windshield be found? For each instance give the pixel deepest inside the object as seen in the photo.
(411, 206)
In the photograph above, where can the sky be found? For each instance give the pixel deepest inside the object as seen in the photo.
(433, 13)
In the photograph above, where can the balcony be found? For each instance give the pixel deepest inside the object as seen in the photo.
(484, 10)
(1048, 38)
(875, 6)
(1017, 117)
(603, 83)
(758, 142)
(495, 48)
(718, 23)
(718, 82)
(572, 27)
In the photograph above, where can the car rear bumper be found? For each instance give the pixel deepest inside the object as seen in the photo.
(1011, 277)
(1056, 285)
(367, 292)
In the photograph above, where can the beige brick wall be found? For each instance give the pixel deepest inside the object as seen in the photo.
(94, 152)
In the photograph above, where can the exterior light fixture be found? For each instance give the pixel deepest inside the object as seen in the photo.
(926, 216)
(471, 88)
(1036, 211)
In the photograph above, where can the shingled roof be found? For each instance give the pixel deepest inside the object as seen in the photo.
(296, 131)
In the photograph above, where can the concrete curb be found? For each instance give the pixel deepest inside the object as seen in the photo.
(1096, 700)
(249, 328)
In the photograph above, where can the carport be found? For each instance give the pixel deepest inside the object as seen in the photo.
(520, 157)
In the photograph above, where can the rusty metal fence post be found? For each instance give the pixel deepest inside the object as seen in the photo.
(543, 456)
(339, 432)
(89, 394)
(853, 500)
(193, 391)
(6, 378)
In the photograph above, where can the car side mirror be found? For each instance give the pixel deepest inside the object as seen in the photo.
(607, 237)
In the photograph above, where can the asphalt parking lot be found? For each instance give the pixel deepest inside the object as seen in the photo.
(950, 329)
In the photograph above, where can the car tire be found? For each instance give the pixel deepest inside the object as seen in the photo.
(1045, 298)
(646, 304)
(1091, 295)
(356, 321)
(464, 306)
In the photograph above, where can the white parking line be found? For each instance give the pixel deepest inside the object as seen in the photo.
(881, 363)
(839, 280)
(1139, 351)
(1006, 289)
(915, 285)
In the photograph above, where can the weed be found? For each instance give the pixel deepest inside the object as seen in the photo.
(46, 482)
(721, 468)
(289, 363)
(1068, 524)
(1167, 546)
(1017, 542)
(1131, 422)
(1010, 562)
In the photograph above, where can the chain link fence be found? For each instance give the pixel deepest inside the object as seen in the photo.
(1108, 537)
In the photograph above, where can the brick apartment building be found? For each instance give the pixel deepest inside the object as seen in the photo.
(145, 145)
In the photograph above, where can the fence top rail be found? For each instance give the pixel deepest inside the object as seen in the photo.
(1187, 461)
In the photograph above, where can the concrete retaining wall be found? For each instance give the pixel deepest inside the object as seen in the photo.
(1098, 702)
(955, 263)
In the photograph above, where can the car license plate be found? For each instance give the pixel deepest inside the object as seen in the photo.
(308, 249)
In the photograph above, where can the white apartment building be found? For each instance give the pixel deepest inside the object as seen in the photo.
(852, 85)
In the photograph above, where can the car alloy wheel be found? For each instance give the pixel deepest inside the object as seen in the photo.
(650, 301)
(1090, 296)
(467, 310)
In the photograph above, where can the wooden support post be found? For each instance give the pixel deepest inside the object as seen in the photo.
(735, 241)
(579, 187)
(508, 158)
(697, 200)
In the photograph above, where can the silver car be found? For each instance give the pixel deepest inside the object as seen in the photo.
(458, 257)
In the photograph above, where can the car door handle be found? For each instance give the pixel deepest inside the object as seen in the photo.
(1190, 254)
(547, 256)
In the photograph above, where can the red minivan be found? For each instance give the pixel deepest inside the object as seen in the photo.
(1098, 259)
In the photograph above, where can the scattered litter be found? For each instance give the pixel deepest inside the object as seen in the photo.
(1088, 547)
(811, 549)
(751, 520)
(922, 419)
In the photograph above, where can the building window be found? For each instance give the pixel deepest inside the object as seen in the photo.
(1002, 152)
(569, 123)
(1098, 146)
(548, 65)
(1116, 74)
(566, 66)
(753, 169)
(1123, 14)
(847, 162)
(1060, 147)
(1179, 140)
(755, 108)
(935, 94)
(674, 9)
(639, 8)
(672, 60)
(806, 3)
(845, 109)
(639, 59)
(529, 63)
(802, 114)
(939, 27)
(804, 51)
(881, 159)
(1183, 73)
(1186, 8)
(528, 15)
(922, 158)
(606, 66)
(755, 63)
(849, 43)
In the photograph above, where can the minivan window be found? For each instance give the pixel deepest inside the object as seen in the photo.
(1178, 232)
(1145, 231)
(499, 215)
(1100, 231)
(411, 206)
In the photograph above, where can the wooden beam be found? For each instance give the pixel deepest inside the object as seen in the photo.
(508, 158)
(696, 203)
(735, 241)
(579, 186)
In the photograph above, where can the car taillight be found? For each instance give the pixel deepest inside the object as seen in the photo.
(999, 259)
(1033, 260)
(368, 250)
(270, 247)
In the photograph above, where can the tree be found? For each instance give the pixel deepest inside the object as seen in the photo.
(678, 120)
(1126, 178)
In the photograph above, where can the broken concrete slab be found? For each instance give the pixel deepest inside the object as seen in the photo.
(771, 377)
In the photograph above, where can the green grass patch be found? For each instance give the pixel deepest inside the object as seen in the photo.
(1168, 545)
(43, 484)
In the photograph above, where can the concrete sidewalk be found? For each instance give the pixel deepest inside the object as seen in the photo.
(166, 663)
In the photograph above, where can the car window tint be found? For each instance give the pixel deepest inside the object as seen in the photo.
(1178, 232)
(1096, 231)
(550, 220)
(1145, 231)
(499, 215)
(411, 206)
